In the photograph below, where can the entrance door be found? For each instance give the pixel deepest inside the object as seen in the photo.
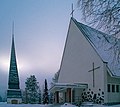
(14, 101)
(57, 97)
(68, 94)
(73, 95)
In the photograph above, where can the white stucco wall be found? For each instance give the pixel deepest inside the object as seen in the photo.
(78, 95)
(113, 96)
(78, 58)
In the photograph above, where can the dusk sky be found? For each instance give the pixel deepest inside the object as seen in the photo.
(40, 33)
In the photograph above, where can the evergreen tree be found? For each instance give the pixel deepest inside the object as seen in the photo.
(45, 94)
(55, 78)
(39, 93)
(0, 98)
(32, 90)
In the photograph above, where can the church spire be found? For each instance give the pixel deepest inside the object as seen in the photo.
(14, 95)
(13, 30)
(13, 82)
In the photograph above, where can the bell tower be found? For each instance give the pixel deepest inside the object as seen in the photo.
(14, 92)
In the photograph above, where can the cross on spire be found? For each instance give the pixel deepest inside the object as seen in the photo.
(93, 70)
(72, 10)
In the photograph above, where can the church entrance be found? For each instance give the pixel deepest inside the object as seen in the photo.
(14, 101)
(68, 92)
(68, 95)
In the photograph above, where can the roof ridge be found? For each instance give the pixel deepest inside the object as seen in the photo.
(102, 44)
(76, 22)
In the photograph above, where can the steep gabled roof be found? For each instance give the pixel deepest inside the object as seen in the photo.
(103, 45)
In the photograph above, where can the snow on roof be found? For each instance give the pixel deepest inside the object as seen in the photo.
(62, 86)
(102, 44)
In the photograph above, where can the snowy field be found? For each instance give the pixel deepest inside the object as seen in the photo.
(23, 105)
(40, 105)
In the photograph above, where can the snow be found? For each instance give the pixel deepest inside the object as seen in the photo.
(23, 105)
(67, 105)
(103, 44)
(94, 105)
(50, 105)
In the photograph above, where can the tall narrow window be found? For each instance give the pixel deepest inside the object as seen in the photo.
(117, 88)
(108, 87)
(113, 88)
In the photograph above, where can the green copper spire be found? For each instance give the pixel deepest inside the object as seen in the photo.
(14, 95)
(13, 82)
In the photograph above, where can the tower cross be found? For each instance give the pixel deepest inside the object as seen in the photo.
(93, 70)
(72, 10)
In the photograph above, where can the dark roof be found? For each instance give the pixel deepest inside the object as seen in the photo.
(103, 45)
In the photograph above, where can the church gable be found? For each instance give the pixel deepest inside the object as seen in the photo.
(86, 70)
(103, 45)
(78, 58)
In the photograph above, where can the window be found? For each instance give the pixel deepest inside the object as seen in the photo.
(117, 88)
(113, 88)
(108, 87)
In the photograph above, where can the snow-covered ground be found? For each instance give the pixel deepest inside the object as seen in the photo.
(49, 105)
(23, 105)
(106, 106)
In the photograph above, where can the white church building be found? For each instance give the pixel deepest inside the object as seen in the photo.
(89, 68)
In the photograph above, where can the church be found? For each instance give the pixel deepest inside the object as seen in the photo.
(14, 95)
(89, 70)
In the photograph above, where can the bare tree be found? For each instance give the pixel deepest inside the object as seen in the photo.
(104, 15)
